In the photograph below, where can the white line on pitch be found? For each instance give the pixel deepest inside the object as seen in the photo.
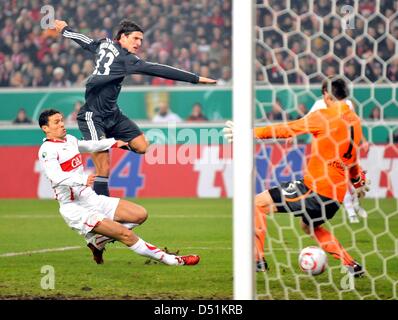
(13, 254)
(27, 216)
(165, 216)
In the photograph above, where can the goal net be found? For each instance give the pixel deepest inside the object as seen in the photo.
(297, 45)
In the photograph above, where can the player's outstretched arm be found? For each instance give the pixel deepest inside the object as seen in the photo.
(136, 65)
(81, 39)
(99, 145)
(205, 80)
(59, 25)
(308, 124)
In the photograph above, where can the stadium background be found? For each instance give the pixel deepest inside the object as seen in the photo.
(295, 49)
(298, 44)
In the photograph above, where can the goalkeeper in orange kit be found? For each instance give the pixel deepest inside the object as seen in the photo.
(333, 161)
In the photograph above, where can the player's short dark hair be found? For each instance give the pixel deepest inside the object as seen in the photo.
(43, 118)
(126, 27)
(335, 86)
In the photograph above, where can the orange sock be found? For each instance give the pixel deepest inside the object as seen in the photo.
(261, 228)
(331, 245)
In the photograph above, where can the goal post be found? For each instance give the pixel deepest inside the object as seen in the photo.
(243, 160)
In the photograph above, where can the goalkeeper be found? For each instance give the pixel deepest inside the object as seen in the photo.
(351, 201)
(316, 198)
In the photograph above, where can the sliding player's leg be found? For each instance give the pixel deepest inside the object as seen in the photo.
(126, 213)
(115, 230)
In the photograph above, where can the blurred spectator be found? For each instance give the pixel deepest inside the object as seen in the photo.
(156, 81)
(277, 113)
(59, 80)
(37, 78)
(374, 71)
(301, 111)
(395, 136)
(197, 113)
(392, 70)
(22, 117)
(225, 77)
(72, 117)
(375, 114)
(165, 115)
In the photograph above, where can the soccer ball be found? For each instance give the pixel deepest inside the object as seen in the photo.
(313, 260)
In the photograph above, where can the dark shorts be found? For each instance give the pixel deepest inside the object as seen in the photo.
(296, 198)
(95, 126)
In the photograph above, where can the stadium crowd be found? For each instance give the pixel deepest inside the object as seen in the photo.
(301, 45)
(319, 45)
(196, 36)
(192, 35)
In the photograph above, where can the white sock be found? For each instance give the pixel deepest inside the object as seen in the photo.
(99, 241)
(146, 249)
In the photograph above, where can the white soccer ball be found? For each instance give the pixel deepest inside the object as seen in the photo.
(313, 260)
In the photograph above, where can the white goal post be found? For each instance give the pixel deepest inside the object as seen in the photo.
(243, 161)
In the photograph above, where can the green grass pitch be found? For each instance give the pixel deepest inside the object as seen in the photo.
(202, 226)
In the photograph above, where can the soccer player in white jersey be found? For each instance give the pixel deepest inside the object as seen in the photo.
(94, 216)
(351, 201)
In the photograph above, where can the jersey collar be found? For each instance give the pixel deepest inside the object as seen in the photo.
(55, 140)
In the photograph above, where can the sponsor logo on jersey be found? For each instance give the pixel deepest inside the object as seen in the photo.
(73, 163)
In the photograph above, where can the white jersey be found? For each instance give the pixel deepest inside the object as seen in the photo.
(320, 104)
(63, 165)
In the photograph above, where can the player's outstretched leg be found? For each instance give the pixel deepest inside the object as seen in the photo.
(260, 231)
(146, 249)
(102, 168)
(263, 205)
(331, 245)
(117, 231)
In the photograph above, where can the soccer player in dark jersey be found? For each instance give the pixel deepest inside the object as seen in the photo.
(100, 116)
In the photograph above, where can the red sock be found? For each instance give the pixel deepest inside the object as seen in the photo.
(331, 245)
(261, 228)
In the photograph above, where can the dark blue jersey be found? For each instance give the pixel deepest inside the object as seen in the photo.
(112, 64)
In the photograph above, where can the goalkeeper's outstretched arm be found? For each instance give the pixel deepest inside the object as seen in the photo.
(308, 124)
(81, 39)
